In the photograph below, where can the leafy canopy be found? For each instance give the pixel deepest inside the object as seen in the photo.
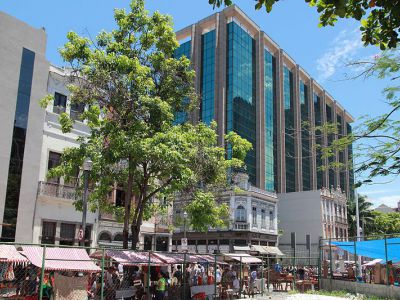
(132, 86)
(379, 19)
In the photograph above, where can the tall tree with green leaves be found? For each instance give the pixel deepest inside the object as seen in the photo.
(379, 19)
(132, 86)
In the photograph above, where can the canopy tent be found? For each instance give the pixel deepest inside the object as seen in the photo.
(60, 259)
(273, 250)
(8, 253)
(372, 262)
(179, 258)
(267, 250)
(129, 258)
(242, 257)
(374, 248)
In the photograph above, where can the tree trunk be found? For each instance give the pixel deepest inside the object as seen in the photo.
(127, 204)
(138, 218)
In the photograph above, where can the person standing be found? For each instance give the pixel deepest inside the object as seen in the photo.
(161, 287)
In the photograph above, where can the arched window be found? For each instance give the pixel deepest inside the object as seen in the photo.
(105, 236)
(240, 214)
(118, 237)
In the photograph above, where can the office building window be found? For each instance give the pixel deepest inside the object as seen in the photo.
(183, 50)
(76, 111)
(289, 130)
(207, 76)
(331, 159)
(18, 145)
(48, 233)
(60, 103)
(263, 219)
(254, 215)
(54, 161)
(67, 234)
(305, 136)
(240, 214)
(318, 139)
(241, 91)
(269, 96)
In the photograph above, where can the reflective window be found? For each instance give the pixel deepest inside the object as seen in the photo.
(271, 219)
(207, 76)
(269, 93)
(240, 93)
(183, 50)
(289, 129)
(48, 233)
(54, 161)
(318, 139)
(67, 234)
(263, 219)
(305, 136)
(76, 111)
(18, 145)
(331, 159)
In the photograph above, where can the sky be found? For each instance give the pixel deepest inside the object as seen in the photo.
(322, 52)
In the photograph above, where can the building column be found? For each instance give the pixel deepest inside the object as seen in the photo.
(58, 233)
(260, 112)
(280, 123)
(297, 130)
(196, 63)
(220, 76)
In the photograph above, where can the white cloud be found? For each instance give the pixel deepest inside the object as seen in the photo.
(342, 50)
(388, 200)
(376, 192)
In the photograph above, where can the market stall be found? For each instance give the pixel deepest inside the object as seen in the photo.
(66, 270)
(12, 271)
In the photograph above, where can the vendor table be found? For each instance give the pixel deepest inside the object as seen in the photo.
(208, 290)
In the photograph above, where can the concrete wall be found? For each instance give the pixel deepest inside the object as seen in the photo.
(387, 292)
(14, 36)
(300, 212)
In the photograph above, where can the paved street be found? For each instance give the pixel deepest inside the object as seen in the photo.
(285, 296)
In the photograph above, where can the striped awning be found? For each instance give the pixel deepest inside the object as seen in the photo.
(273, 250)
(60, 259)
(258, 248)
(129, 258)
(8, 253)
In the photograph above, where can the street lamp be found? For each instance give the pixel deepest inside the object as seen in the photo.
(87, 167)
(185, 215)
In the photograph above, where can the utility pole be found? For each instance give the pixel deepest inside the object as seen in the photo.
(358, 262)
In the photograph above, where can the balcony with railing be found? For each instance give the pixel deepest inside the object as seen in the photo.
(241, 226)
(57, 190)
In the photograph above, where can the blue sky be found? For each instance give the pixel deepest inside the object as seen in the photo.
(322, 52)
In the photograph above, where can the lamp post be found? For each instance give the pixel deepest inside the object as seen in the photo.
(87, 167)
(185, 215)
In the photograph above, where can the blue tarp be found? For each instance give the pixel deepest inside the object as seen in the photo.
(374, 248)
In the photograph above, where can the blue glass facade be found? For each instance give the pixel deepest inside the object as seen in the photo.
(240, 90)
(305, 137)
(207, 76)
(289, 129)
(183, 49)
(318, 139)
(18, 145)
(269, 98)
(350, 161)
(342, 174)
(331, 172)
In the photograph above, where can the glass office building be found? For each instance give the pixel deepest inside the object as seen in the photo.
(249, 85)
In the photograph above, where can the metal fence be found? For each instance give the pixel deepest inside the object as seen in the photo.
(66, 272)
(367, 259)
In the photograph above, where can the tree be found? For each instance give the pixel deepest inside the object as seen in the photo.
(377, 139)
(366, 216)
(379, 19)
(387, 223)
(132, 86)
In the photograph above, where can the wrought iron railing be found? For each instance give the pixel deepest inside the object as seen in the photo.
(57, 190)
